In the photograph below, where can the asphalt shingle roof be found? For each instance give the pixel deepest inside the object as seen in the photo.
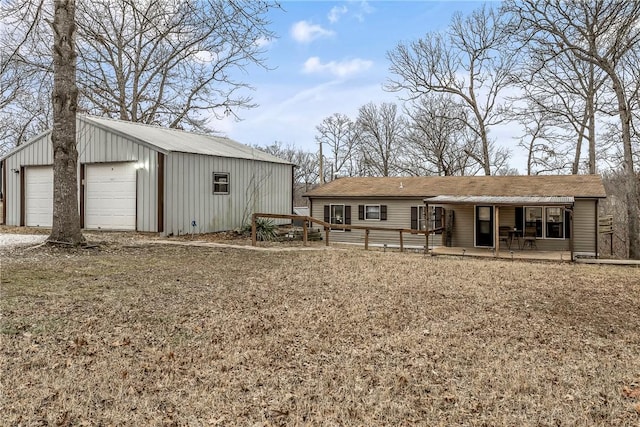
(431, 186)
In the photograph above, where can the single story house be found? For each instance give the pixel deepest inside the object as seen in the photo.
(560, 212)
(140, 177)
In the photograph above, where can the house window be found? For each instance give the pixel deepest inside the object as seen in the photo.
(533, 219)
(554, 228)
(220, 183)
(337, 214)
(422, 221)
(372, 212)
(419, 222)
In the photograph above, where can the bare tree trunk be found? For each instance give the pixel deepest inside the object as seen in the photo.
(591, 111)
(633, 207)
(66, 219)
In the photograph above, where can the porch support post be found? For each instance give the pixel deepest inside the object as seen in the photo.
(426, 225)
(496, 231)
(572, 232)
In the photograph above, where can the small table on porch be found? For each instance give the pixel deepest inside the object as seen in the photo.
(516, 235)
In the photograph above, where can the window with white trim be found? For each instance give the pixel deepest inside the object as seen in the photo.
(533, 219)
(422, 221)
(547, 221)
(554, 222)
(372, 212)
(336, 214)
(220, 183)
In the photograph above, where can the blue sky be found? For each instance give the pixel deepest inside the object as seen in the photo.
(330, 57)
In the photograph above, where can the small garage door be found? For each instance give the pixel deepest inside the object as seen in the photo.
(38, 196)
(110, 196)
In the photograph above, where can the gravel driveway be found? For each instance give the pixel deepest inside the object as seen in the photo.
(12, 240)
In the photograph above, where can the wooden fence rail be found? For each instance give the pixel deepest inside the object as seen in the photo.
(328, 227)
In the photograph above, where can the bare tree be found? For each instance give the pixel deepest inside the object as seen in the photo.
(564, 92)
(603, 33)
(337, 134)
(380, 131)
(66, 218)
(546, 149)
(437, 141)
(153, 61)
(306, 170)
(472, 62)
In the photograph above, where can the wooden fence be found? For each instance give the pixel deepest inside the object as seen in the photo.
(328, 227)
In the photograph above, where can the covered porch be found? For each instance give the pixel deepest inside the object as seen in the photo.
(513, 227)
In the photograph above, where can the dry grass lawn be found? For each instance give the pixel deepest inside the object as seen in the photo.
(150, 334)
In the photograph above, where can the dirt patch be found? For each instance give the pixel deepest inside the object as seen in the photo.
(137, 334)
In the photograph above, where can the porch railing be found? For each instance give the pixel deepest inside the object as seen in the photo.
(306, 220)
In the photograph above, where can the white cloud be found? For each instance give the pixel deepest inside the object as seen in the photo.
(306, 32)
(338, 69)
(364, 9)
(336, 12)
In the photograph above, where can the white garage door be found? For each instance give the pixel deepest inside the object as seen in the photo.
(38, 196)
(110, 196)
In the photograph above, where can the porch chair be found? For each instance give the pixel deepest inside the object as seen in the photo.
(503, 233)
(529, 237)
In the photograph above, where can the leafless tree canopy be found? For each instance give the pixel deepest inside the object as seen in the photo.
(173, 63)
(472, 62)
(438, 141)
(380, 133)
(606, 34)
(337, 134)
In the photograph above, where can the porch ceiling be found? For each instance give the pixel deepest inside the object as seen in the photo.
(500, 200)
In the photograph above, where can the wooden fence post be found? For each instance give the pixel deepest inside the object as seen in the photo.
(326, 236)
(304, 233)
(366, 239)
(253, 229)
(401, 243)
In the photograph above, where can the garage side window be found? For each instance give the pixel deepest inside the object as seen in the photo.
(220, 183)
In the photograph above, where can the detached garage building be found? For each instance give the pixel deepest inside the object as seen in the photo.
(147, 178)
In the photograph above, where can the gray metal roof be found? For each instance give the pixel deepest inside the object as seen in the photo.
(174, 140)
(501, 200)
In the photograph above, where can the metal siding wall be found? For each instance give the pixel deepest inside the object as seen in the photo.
(253, 186)
(95, 145)
(40, 152)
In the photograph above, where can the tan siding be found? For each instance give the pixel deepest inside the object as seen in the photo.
(463, 228)
(584, 226)
(398, 216)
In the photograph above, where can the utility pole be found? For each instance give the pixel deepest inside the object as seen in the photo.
(321, 174)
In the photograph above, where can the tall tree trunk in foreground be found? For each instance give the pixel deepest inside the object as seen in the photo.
(66, 218)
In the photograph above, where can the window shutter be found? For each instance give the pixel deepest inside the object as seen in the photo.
(383, 212)
(520, 218)
(360, 212)
(414, 217)
(347, 216)
(326, 213)
(438, 217)
(567, 224)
